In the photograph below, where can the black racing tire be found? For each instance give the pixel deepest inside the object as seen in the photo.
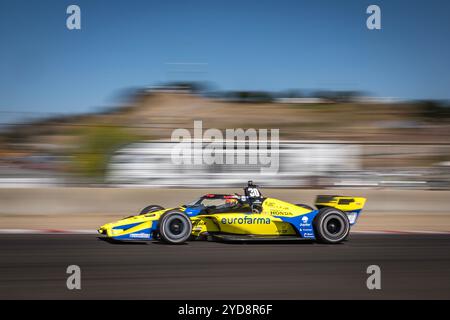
(151, 208)
(175, 227)
(331, 225)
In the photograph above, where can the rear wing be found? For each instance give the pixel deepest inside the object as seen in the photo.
(352, 206)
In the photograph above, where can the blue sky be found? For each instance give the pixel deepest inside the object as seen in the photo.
(254, 45)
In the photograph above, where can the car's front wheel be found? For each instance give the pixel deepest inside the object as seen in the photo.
(175, 227)
(331, 225)
(151, 208)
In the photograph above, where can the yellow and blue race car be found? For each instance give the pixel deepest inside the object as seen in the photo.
(248, 217)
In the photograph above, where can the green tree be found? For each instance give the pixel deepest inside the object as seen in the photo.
(97, 144)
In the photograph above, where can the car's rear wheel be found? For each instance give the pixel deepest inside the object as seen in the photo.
(175, 227)
(331, 225)
(151, 208)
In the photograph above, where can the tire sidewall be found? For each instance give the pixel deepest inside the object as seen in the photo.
(319, 225)
(163, 225)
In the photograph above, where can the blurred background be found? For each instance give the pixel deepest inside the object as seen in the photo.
(86, 118)
(95, 107)
(356, 108)
(337, 141)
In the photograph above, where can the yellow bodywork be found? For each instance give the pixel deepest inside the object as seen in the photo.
(144, 221)
(276, 218)
(268, 222)
(340, 202)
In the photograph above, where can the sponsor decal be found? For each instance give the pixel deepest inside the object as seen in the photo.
(308, 235)
(305, 222)
(245, 220)
(140, 235)
(280, 213)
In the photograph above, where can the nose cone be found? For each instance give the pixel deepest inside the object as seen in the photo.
(104, 229)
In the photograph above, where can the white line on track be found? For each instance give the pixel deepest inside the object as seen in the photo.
(47, 231)
(91, 231)
(400, 232)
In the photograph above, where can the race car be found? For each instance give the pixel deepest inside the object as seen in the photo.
(248, 217)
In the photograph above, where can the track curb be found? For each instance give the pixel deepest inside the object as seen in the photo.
(92, 231)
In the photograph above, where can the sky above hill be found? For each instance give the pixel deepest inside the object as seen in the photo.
(236, 45)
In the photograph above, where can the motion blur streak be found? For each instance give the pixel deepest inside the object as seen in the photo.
(87, 116)
(334, 141)
(412, 267)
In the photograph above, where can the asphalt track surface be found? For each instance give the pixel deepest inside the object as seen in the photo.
(412, 267)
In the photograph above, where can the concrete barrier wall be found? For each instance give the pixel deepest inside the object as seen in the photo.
(29, 201)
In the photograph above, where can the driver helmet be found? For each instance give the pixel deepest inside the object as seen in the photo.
(231, 202)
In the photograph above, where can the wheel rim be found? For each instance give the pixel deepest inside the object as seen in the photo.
(176, 226)
(334, 227)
